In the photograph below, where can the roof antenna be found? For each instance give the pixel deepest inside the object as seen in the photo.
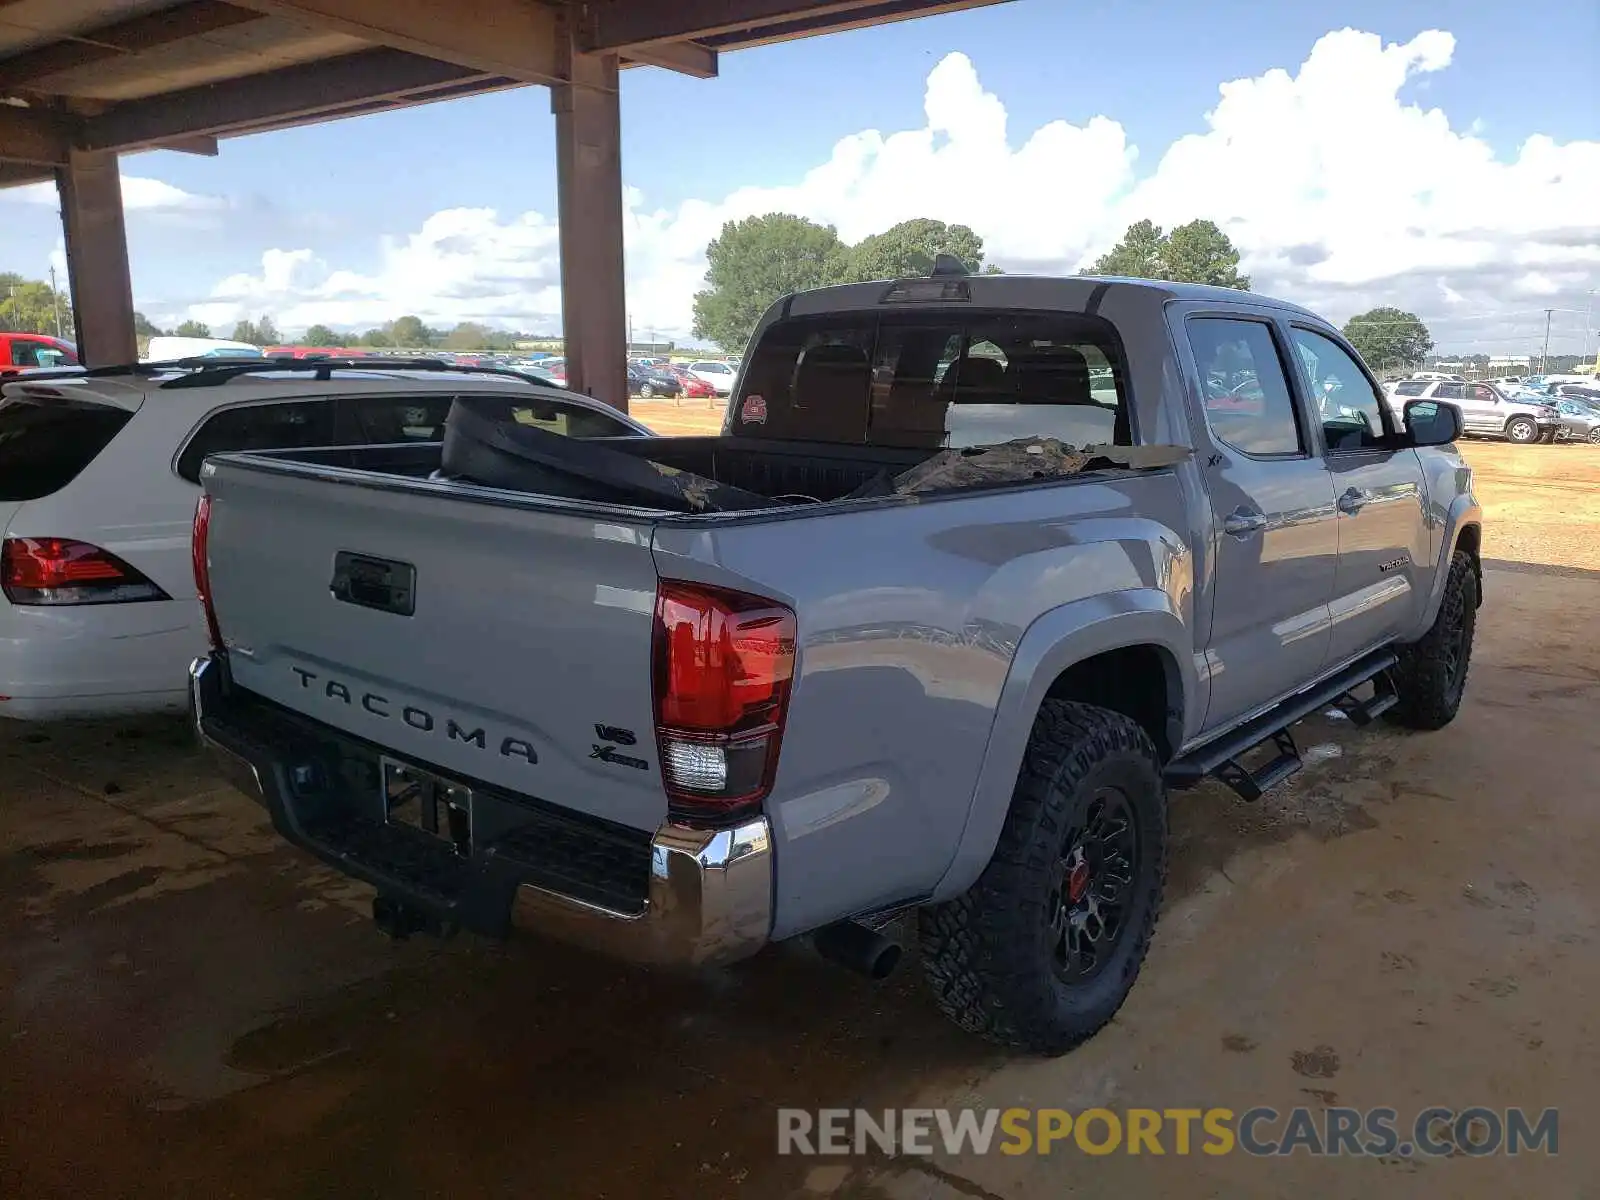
(948, 264)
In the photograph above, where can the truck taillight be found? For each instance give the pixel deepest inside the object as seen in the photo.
(199, 548)
(58, 571)
(724, 661)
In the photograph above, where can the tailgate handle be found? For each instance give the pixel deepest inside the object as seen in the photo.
(379, 583)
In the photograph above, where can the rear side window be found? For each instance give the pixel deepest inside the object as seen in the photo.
(945, 379)
(1412, 387)
(557, 416)
(45, 444)
(292, 425)
(381, 420)
(1451, 391)
(1246, 393)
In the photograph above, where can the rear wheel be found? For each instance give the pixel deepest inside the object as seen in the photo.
(1594, 436)
(1522, 430)
(647, 392)
(1431, 676)
(1045, 947)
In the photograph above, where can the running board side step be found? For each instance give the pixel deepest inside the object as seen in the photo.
(1222, 757)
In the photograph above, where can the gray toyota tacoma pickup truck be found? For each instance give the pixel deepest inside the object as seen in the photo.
(979, 570)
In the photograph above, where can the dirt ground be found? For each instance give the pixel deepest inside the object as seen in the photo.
(187, 1008)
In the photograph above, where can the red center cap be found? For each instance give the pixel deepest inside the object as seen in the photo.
(1077, 881)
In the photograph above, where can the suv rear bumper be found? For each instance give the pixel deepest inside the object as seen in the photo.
(680, 896)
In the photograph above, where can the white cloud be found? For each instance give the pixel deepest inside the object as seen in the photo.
(139, 194)
(1338, 192)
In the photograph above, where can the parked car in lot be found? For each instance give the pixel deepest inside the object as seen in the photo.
(172, 348)
(98, 483)
(694, 388)
(648, 383)
(889, 643)
(719, 375)
(1580, 419)
(1486, 411)
(29, 351)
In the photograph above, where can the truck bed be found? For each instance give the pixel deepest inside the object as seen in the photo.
(807, 471)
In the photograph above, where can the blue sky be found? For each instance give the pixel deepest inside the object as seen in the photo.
(777, 112)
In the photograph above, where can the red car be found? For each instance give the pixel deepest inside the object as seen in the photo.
(23, 351)
(694, 387)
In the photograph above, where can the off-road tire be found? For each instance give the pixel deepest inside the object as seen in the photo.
(988, 954)
(1522, 431)
(1431, 676)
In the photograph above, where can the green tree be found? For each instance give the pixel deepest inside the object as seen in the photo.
(1389, 337)
(257, 333)
(1198, 252)
(409, 333)
(1138, 255)
(910, 248)
(469, 335)
(379, 338)
(194, 329)
(144, 327)
(33, 306)
(321, 335)
(753, 262)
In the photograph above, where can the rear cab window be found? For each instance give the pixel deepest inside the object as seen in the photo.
(45, 443)
(937, 380)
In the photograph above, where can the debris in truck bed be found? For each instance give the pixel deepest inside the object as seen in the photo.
(695, 489)
(1024, 459)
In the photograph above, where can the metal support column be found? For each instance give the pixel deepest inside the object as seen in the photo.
(589, 181)
(90, 187)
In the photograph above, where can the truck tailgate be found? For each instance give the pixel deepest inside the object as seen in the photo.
(527, 629)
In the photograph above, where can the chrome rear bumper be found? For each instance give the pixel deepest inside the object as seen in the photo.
(708, 898)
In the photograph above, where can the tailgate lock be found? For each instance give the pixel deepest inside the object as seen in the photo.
(379, 583)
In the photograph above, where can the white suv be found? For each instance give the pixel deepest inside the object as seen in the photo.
(98, 484)
(1486, 411)
(719, 375)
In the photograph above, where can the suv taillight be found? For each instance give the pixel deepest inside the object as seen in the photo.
(57, 571)
(199, 549)
(723, 665)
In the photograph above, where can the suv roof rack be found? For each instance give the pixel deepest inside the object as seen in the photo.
(211, 372)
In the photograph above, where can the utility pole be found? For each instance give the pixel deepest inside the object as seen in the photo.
(1544, 360)
(55, 299)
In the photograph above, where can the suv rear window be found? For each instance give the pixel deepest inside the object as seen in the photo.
(937, 379)
(45, 444)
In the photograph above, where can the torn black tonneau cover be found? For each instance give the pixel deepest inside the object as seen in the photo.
(1025, 459)
(483, 444)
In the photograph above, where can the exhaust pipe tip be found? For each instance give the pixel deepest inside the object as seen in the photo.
(864, 951)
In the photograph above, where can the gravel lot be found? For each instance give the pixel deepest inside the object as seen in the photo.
(187, 1008)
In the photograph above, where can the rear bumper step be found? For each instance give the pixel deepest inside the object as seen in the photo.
(680, 896)
(1222, 758)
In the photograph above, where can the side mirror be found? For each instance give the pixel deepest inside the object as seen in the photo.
(1432, 422)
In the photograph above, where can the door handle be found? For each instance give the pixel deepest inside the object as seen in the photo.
(1242, 522)
(1352, 501)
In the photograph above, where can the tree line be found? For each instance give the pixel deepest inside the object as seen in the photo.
(403, 333)
(33, 306)
(753, 262)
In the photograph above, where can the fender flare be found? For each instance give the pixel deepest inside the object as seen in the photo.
(1464, 514)
(1054, 642)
